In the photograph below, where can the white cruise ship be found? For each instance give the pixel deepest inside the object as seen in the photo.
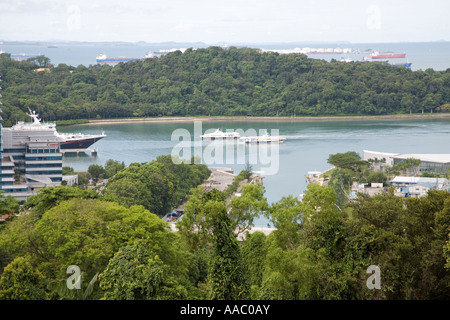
(68, 141)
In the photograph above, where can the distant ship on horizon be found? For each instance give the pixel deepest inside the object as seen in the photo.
(23, 56)
(103, 58)
(377, 55)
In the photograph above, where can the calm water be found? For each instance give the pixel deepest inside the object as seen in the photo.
(424, 55)
(307, 147)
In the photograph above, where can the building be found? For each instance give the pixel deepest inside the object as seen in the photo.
(418, 186)
(430, 163)
(31, 159)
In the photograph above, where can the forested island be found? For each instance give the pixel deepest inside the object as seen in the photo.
(218, 82)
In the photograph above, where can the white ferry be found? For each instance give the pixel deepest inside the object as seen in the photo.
(219, 134)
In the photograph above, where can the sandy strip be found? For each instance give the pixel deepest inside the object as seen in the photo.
(279, 119)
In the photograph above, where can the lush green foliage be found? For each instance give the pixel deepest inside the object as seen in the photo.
(321, 247)
(219, 82)
(158, 186)
(20, 281)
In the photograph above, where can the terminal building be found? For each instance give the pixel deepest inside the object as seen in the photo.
(430, 163)
(30, 159)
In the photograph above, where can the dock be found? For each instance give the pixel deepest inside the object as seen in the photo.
(78, 151)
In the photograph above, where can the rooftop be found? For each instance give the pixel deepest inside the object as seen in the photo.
(418, 180)
(436, 158)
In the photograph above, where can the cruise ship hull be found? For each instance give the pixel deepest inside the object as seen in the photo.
(79, 144)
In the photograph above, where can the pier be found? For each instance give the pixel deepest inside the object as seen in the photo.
(78, 151)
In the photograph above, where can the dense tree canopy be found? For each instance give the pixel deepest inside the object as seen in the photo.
(159, 185)
(219, 82)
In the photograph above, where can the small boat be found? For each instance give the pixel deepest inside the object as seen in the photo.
(219, 134)
(265, 138)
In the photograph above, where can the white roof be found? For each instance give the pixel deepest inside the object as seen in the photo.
(381, 153)
(403, 179)
(437, 158)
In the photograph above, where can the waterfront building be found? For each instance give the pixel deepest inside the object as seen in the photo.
(430, 163)
(418, 186)
(31, 160)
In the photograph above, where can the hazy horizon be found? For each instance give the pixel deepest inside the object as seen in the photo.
(212, 21)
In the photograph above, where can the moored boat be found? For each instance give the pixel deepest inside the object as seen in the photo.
(67, 141)
(219, 134)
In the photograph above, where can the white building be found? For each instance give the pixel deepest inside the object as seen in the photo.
(431, 163)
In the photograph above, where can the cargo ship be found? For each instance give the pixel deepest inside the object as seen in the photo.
(377, 55)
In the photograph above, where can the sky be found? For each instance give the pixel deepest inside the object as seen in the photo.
(225, 21)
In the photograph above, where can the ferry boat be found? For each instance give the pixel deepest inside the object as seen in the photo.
(219, 134)
(265, 138)
(67, 141)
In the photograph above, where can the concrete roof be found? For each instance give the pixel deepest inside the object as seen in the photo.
(418, 180)
(437, 158)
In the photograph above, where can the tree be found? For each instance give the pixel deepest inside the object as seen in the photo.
(377, 177)
(254, 253)
(112, 167)
(348, 160)
(246, 207)
(82, 232)
(96, 171)
(49, 197)
(159, 185)
(67, 171)
(226, 277)
(9, 205)
(141, 271)
(19, 281)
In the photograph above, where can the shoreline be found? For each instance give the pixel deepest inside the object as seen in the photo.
(270, 119)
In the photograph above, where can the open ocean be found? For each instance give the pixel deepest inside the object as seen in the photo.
(422, 55)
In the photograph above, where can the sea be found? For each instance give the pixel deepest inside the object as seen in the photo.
(308, 144)
(307, 147)
(422, 55)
